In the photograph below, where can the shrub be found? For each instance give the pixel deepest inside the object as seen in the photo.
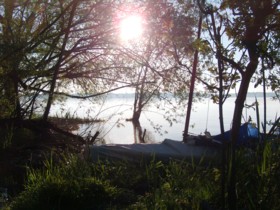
(65, 186)
(66, 194)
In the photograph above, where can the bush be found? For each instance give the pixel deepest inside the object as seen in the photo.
(82, 194)
(66, 186)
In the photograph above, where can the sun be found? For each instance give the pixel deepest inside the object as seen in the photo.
(131, 27)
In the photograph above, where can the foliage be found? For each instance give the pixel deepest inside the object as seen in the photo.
(258, 173)
(182, 185)
(153, 70)
(243, 39)
(49, 46)
(77, 184)
(67, 186)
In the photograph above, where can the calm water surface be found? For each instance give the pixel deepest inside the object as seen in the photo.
(115, 110)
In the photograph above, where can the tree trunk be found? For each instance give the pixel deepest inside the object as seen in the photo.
(136, 116)
(138, 133)
(139, 97)
(18, 114)
(136, 106)
(57, 67)
(264, 104)
(239, 104)
(51, 93)
(221, 69)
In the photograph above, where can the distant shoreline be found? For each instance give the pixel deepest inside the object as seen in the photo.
(249, 94)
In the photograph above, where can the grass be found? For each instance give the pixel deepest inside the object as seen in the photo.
(70, 123)
(74, 120)
(258, 182)
(68, 185)
(74, 183)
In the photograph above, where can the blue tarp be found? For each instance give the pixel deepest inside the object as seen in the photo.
(247, 134)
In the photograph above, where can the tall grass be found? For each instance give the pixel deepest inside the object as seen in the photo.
(65, 186)
(77, 184)
(258, 178)
(180, 186)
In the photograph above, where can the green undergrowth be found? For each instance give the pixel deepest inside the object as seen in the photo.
(79, 184)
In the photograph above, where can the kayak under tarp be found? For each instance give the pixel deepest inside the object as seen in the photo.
(165, 151)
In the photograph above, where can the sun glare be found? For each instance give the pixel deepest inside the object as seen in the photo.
(131, 28)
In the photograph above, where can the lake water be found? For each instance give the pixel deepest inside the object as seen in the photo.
(117, 108)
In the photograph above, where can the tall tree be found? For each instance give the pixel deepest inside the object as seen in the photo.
(47, 45)
(152, 58)
(255, 23)
(250, 35)
(68, 23)
(243, 38)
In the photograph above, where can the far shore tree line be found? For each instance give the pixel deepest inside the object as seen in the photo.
(55, 47)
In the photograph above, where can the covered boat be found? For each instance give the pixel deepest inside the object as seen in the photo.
(194, 150)
(248, 134)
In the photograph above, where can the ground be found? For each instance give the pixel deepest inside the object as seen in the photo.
(29, 144)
